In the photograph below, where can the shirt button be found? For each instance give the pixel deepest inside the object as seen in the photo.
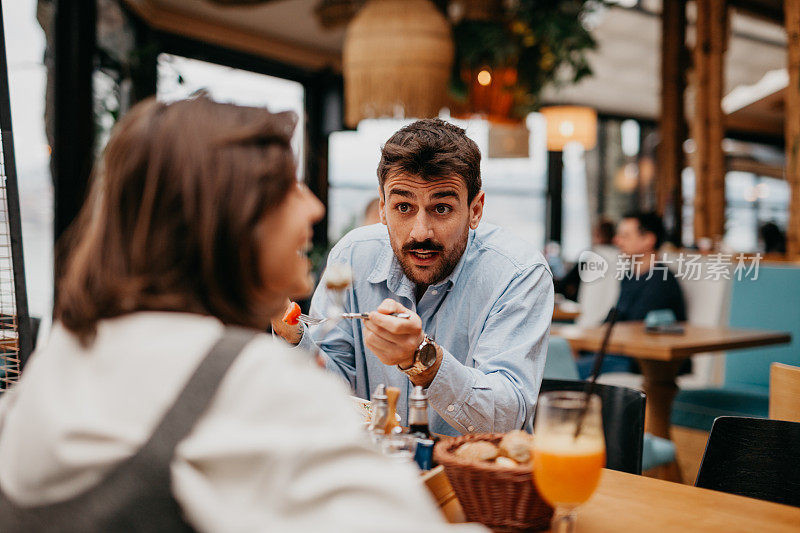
(434, 292)
(471, 429)
(451, 408)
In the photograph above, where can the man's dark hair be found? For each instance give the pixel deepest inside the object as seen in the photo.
(649, 223)
(605, 231)
(773, 237)
(432, 149)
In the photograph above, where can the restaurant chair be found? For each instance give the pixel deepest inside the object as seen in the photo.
(753, 457)
(784, 392)
(769, 302)
(623, 422)
(596, 298)
(561, 365)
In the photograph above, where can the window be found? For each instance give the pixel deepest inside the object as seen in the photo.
(750, 202)
(25, 45)
(179, 77)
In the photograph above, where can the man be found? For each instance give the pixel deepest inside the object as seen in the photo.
(481, 300)
(647, 286)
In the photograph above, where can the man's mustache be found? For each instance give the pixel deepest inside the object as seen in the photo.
(427, 244)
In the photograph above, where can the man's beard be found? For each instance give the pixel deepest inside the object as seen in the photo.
(448, 259)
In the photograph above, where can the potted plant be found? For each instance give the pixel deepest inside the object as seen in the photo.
(504, 61)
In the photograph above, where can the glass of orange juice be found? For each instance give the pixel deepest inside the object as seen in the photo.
(566, 467)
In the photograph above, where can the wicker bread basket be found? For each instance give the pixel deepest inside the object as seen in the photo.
(501, 498)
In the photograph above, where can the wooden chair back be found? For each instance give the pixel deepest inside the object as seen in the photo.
(753, 457)
(784, 392)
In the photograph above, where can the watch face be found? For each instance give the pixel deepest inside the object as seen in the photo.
(427, 355)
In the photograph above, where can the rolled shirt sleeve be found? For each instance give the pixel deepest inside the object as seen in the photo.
(499, 392)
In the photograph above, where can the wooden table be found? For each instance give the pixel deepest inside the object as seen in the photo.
(566, 311)
(660, 356)
(625, 502)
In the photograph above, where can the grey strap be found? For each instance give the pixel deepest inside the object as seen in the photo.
(195, 397)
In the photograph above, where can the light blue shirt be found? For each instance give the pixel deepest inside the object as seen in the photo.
(491, 317)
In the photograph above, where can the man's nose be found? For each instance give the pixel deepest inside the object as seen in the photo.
(422, 228)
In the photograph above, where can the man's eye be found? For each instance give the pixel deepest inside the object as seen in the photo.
(403, 208)
(443, 209)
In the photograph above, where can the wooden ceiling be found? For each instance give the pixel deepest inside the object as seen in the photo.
(626, 80)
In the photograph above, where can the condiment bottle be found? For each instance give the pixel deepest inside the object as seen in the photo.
(379, 408)
(418, 413)
(392, 394)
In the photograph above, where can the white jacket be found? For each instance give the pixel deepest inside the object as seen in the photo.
(280, 447)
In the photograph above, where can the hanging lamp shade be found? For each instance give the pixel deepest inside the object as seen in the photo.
(397, 57)
(566, 123)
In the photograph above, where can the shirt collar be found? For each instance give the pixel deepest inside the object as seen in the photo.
(387, 268)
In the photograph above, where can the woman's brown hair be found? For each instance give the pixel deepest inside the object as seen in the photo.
(171, 223)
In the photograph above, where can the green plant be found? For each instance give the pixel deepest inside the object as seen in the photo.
(545, 42)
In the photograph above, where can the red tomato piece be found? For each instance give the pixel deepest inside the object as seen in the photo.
(292, 314)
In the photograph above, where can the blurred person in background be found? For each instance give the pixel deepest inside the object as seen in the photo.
(158, 403)
(372, 213)
(647, 286)
(480, 299)
(773, 240)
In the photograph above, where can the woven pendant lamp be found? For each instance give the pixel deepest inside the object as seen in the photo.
(397, 57)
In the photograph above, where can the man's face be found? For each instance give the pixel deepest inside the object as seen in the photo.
(428, 224)
(631, 240)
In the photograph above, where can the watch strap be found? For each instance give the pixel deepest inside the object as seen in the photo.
(418, 368)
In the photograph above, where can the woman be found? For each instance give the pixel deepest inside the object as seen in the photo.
(155, 405)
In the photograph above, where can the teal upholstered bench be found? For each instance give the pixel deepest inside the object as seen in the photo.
(772, 301)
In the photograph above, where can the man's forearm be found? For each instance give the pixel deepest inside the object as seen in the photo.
(474, 402)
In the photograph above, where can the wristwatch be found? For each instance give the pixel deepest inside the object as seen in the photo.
(424, 357)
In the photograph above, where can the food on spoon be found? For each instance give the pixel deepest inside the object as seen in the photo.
(292, 314)
(338, 276)
(477, 451)
(517, 445)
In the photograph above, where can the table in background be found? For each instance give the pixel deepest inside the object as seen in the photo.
(660, 355)
(566, 311)
(626, 502)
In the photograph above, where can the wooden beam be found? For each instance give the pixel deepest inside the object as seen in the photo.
(792, 124)
(672, 122)
(769, 10)
(73, 147)
(197, 27)
(708, 123)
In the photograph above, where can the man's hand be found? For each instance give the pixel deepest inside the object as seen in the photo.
(395, 340)
(292, 334)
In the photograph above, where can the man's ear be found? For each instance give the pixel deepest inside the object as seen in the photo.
(651, 240)
(382, 208)
(476, 210)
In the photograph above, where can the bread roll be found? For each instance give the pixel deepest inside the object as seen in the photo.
(506, 462)
(477, 451)
(517, 446)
